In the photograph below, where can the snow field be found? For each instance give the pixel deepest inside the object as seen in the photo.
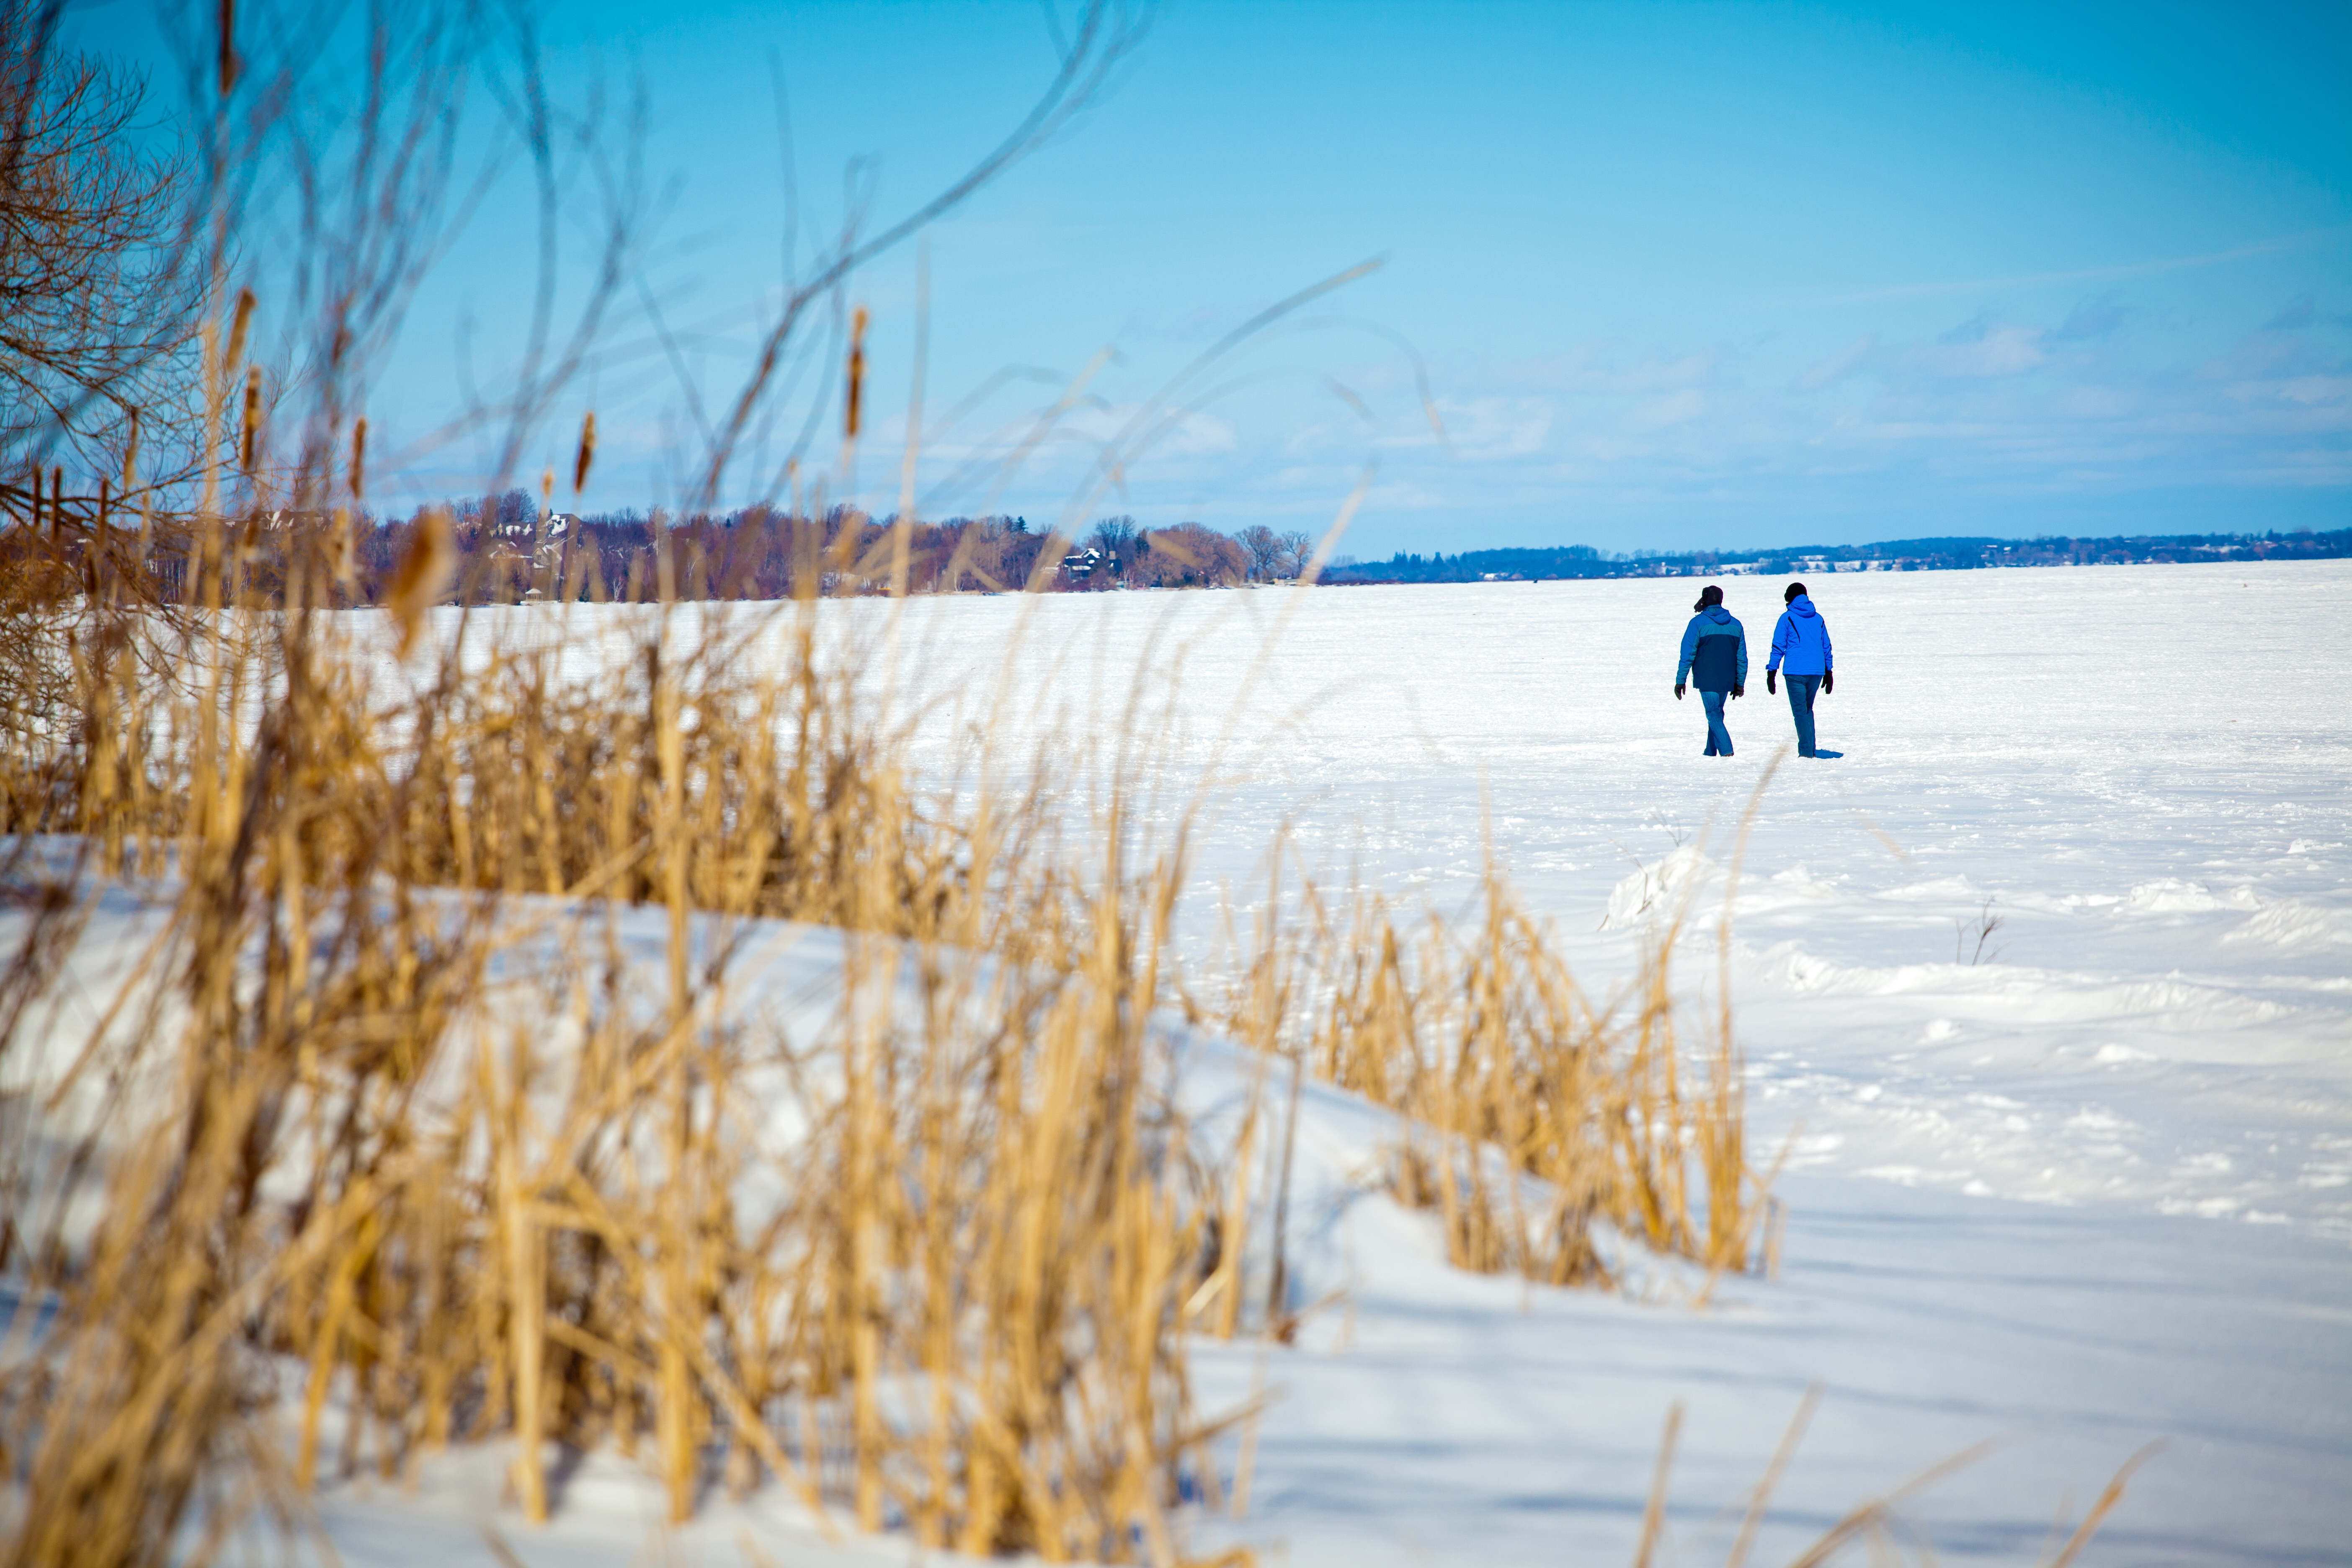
(2088, 1194)
(1430, 1416)
(2144, 775)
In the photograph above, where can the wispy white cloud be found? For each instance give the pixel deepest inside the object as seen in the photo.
(1603, 370)
(2084, 406)
(2095, 318)
(1828, 373)
(1481, 428)
(2314, 391)
(2117, 270)
(1674, 408)
(1982, 347)
(1994, 408)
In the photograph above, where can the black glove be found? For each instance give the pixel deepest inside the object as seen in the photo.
(1829, 681)
(1678, 692)
(1739, 691)
(1771, 682)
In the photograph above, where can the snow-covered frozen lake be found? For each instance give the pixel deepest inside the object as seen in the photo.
(2143, 774)
(2096, 1189)
(2089, 1192)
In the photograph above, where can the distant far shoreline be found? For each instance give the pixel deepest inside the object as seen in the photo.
(1574, 562)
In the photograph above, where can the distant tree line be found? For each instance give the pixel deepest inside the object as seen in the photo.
(513, 549)
(1946, 555)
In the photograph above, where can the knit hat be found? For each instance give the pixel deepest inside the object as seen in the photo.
(1795, 591)
(1710, 595)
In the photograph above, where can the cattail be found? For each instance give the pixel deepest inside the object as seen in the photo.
(236, 331)
(547, 490)
(358, 459)
(856, 371)
(229, 64)
(587, 454)
(131, 457)
(417, 581)
(57, 501)
(249, 440)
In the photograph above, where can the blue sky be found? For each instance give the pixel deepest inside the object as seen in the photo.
(1677, 275)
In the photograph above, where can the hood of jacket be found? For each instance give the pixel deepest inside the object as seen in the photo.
(1718, 613)
(1802, 604)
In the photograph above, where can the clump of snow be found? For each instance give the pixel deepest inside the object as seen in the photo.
(2294, 923)
(2171, 894)
(1658, 891)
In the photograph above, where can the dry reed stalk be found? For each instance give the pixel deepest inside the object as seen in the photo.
(1654, 1514)
(2109, 1496)
(1762, 1497)
(1721, 1120)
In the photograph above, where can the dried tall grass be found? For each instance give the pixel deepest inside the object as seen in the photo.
(367, 1153)
(475, 1170)
(1536, 1115)
(1876, 1524)
(391, 1102)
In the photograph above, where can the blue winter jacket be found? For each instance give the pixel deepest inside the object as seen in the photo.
(1803, 639)
(1715, 651)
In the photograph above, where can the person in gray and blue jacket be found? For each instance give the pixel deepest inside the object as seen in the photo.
(1715, 659)
(1801, 646)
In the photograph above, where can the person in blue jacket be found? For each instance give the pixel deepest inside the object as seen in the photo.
(1715, 659)
(1800, 648)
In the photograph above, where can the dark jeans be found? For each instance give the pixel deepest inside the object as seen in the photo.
(1719, 739)
(1801, 704)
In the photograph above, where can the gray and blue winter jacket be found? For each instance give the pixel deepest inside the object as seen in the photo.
(1802, 639)
(1715, 651)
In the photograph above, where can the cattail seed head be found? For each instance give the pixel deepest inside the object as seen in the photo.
(856, 372)
(250, 439)
(419, 578)
(237, 327)
(358, 459)
(229, 63)
(131, 457)
(587, 453)
(547, 490)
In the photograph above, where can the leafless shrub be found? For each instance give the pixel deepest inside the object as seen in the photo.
(99, 302)
(1982, 928)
